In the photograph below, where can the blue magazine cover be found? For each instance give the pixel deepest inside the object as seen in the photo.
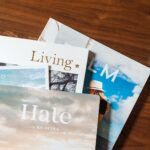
(117, 79)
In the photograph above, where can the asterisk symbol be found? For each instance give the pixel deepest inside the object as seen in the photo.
(77, 66)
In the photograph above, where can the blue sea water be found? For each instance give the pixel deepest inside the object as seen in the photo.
(28, 77)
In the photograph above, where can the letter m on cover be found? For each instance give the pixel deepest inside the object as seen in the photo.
(113, 74)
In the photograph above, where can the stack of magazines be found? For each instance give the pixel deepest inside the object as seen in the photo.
(65, 91)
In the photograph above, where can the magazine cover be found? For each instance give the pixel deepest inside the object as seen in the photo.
(36, 77)
(117, 79)
(67, 68)
(47, 120)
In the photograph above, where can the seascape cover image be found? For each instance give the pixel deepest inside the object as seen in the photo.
(117, 79)
(47, 119)
(35, 77)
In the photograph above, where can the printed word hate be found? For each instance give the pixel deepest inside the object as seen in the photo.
(34, 113)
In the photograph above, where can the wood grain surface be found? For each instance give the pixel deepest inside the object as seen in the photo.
(123, 25)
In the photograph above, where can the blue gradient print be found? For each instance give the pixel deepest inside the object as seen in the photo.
(122, 87)
(116, 92)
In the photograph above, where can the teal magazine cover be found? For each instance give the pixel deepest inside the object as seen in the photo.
(117, 79)
(47, 120)
(35, 77)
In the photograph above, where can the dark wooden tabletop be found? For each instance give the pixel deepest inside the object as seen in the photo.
(123, 25)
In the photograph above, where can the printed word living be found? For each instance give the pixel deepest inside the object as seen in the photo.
(41, 57)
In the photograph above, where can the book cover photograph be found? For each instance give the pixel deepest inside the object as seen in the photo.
(47, 120)
(35, 77)
(115, 78)
(67, 70)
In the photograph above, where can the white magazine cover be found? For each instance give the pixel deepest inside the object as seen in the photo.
(33, 119)
(67, 68)
(117, 79)
(24, 76)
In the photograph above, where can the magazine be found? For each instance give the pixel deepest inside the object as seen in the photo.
(67, 68)
(47, 120)
(35, 77)
(117, 79)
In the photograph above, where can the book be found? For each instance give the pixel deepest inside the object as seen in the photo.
(117, 79)
(43, 120)
(29, 76)
(67, 70)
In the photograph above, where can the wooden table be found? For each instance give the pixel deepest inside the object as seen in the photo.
(123, 25)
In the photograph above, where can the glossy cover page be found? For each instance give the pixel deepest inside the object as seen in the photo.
(117, 79)
(47, 120)
(67, 68)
